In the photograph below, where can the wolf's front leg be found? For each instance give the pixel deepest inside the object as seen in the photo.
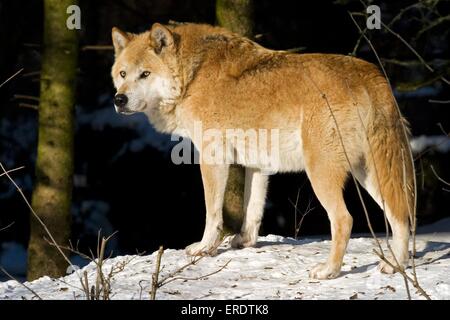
(254, 201)
(214, 182)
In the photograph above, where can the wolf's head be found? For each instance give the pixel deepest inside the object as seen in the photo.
(141, 71)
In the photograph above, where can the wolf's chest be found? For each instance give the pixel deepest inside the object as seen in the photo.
(276, 150)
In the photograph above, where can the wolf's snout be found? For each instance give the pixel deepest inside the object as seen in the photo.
(120, 100)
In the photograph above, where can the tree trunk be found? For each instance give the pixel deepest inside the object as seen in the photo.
(236, 16)
(52, 193)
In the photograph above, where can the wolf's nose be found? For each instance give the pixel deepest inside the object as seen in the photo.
(120, 100)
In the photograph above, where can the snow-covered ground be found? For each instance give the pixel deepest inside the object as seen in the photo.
(277, 268)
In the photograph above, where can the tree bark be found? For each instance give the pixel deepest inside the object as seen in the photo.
(236, 16)
(52, 194)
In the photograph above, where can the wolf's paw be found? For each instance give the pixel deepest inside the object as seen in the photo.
(201, 249)
(239, 241)
(385, 267)
(323, 271)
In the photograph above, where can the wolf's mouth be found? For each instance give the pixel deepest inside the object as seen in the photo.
(126, 111)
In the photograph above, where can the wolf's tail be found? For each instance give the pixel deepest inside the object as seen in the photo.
(390, 176)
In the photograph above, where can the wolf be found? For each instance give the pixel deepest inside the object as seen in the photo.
(335, 115)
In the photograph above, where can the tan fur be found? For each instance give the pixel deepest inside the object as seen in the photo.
(204, 73)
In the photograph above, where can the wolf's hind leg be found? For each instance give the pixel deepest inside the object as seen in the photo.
(399, 222)
(327, 180)
(214, 182)
(254, 201)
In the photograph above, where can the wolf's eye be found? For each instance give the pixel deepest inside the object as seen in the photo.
(145, 74)
(123, 74)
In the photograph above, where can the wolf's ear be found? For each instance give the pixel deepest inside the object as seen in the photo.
(120, 39)
(160, 38)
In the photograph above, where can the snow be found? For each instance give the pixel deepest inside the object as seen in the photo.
(277, 268)
(439, 143)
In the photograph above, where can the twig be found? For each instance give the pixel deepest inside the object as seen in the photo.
(156, 284)
(35, 214)
(433, 24)
(85, 284)
(422, 60)
(355, 49)
(10, 78)
(200, 277)
(102, 288)
(31, 74)
(402, 11)
(8, 226)
(22, 284)
(295, 213)
(295, 50)
(416, 85)
(97, 47)
(155, 276)
(29, 106)
(438, 177)
(411, 63)
(439, 101)
(422, 175)
(26, 97)
(12, 170)
(297, 226)
(31, 45)
(141, 288)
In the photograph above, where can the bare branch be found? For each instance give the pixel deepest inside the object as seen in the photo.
(10, 78)
(155, 276)
(22, 284)
(35, 214)
(97, 47)
(103, 282)
(422, 60)
(412, 63)
(200, 277)
(433, 24)
(8, 226)
(26, 97)
(29, 106)
(355, 49)
(438, 177)
(439, 101)
(12, 170)
(297, 226)
(31, 74)
(417, 5)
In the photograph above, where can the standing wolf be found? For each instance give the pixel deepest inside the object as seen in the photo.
(335, 115)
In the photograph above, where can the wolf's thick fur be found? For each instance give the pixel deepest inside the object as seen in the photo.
(204, 73)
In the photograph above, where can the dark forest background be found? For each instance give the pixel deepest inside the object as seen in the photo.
(124, 180)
